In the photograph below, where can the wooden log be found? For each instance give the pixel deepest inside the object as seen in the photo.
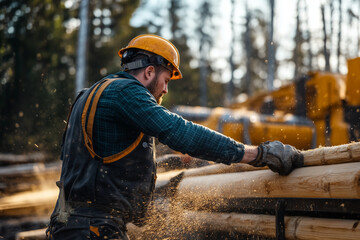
(13, 186)
(264, 225)
(332, 155)
(220, 168)
(7, 158)
(19, 186)
(10, 227)
(29, 203)
(28, 176)
(164, 178)
(29, 169)
(331, 181)
(38, 234)
(16, 222)
(321, 156)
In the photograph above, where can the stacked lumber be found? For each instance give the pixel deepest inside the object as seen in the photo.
(216, 201)
(27, 192)
(321, 200)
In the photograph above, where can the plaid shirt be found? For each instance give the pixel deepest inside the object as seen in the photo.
(124, 111)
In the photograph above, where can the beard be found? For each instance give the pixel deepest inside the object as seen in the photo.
(153, 86)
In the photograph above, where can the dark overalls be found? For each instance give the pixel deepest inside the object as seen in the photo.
(99, 195)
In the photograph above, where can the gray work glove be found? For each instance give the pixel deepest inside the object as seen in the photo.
(279, 157)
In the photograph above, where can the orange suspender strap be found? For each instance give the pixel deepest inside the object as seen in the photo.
(88, 133)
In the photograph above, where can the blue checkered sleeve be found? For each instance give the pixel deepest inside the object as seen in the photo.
(136, 105)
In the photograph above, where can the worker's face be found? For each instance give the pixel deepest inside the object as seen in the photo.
(159, 84)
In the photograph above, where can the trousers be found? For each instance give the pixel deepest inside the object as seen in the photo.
(85, 227)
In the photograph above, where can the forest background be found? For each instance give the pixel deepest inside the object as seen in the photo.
(230, 50)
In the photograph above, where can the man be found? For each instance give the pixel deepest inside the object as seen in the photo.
(109, 170)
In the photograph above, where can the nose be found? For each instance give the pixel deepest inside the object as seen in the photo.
(165, 91)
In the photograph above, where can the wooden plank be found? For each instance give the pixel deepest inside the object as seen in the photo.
(264, 225)
(330, 181)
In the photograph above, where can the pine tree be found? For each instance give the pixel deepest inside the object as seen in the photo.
(34, 74)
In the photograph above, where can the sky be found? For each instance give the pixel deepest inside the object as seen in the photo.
(284, 28)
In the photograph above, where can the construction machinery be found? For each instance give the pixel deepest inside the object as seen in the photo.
(319, 109)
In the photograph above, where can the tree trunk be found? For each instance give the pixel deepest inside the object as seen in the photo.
(248, 48)
(230, 86)
(271, 54)
(310, 54)
(82, 46)
(339, 37)
(297, 50)
(326, 52)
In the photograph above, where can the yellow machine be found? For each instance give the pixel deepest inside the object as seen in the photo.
(320, 109)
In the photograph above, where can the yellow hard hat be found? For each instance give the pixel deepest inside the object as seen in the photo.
(159, 46)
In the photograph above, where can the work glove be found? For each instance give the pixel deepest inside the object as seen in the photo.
(279, 157)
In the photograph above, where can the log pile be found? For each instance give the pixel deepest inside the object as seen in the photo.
(27, 193)
(214, 201)
(319, 201)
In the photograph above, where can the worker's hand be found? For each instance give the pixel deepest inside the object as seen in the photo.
(279, 157)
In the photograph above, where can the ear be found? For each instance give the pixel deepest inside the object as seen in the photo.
(149, 72)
